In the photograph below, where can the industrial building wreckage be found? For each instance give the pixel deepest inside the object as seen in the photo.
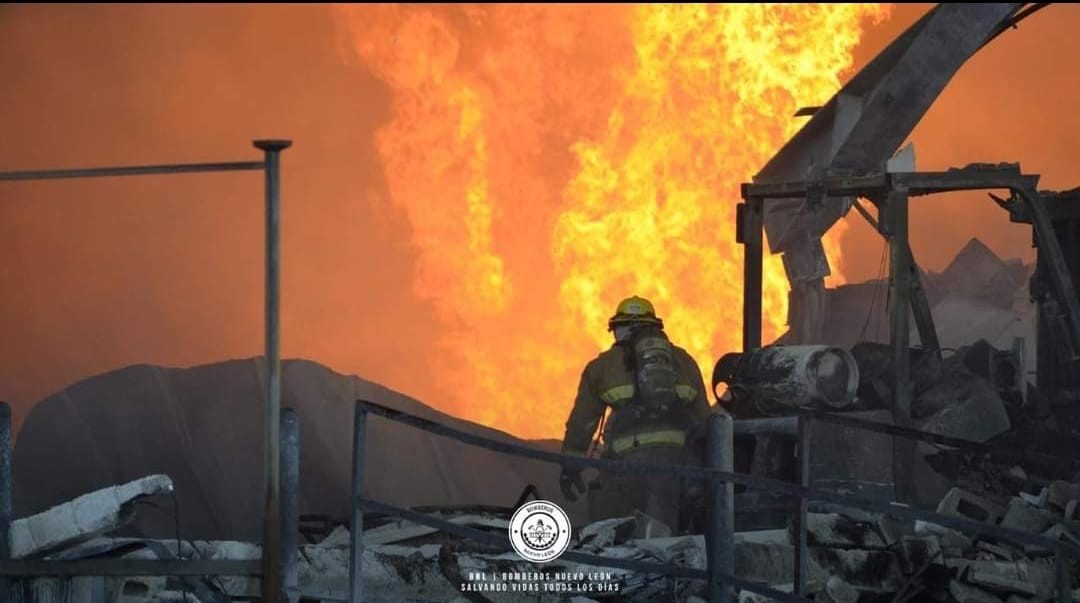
(821, 485)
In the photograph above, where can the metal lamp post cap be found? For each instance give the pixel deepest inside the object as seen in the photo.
(272, 144)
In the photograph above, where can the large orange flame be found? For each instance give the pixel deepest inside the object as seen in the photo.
(554, 159)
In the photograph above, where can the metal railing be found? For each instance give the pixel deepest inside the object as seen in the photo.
(271, 565)
(799, 427)
(720, 534)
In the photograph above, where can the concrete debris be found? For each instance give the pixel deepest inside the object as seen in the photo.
(964, 593)
(339, 536)
(607, 532)
(764, 536)
(649, 527)
(834, 530)
(770, 563)
(963, 504)
(893, 529)
(974, 411)
(850, 559)
(1036, 501)
(858, 567)
(952, 541)
(916, 552)
(1022, 516)
(838, 591)
(998, 552)
(1060, 532)
(86, 517)
(403, 531)
(999, 582)
(1060, 493)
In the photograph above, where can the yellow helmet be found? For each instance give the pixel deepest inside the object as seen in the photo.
(634, 310)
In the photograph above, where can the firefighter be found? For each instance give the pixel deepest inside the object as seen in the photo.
(657, 401)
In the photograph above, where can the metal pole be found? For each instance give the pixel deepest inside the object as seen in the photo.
(1064, 582)
(752, 272)
(356, 529)
(290, 502)
(271, 557)
(800, 518)
(6, 485)
(720, 542)
(900, 275)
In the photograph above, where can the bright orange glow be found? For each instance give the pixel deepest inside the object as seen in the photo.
(554, 159)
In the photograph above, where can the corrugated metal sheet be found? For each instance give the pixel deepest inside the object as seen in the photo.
(43, 590)
(89, 589)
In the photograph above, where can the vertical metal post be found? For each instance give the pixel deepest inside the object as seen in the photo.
(753, 247)
(356, 529)
(271, 557)
(800, 518)
(6, 512)
(290, 502)
(720, 541)
(1064, 582)
(900, 275)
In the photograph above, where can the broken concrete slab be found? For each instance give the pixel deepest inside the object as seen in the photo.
(964, 593)
(646, 526)
(998, 582)
(892, 529)
(607, 532)
(339, 536)
(402, 531)
(1059, 494)
(1061, 532)
(918, 551)
(769, 563)
(835, 530)
(777, 536)
(83, 518)
(974, 412)
(952, 541)
(1036, 501)
(995, 551)
(860, 568)
(1022, 516)
(838, 591)
(966, 505)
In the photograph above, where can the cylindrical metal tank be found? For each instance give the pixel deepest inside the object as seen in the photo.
(801, 375)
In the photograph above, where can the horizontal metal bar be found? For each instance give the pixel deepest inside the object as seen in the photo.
(137, 170)
(500, 541)
(841, 186)
(916, 183)
(923, 436)
(131, 567)
(699, 473)
(776, 425)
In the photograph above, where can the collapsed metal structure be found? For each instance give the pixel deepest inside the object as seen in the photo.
(846, 151)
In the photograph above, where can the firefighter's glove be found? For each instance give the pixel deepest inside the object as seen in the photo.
(569, 480)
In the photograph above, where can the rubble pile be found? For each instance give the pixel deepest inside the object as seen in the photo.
(867, 557)
(852, 556)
